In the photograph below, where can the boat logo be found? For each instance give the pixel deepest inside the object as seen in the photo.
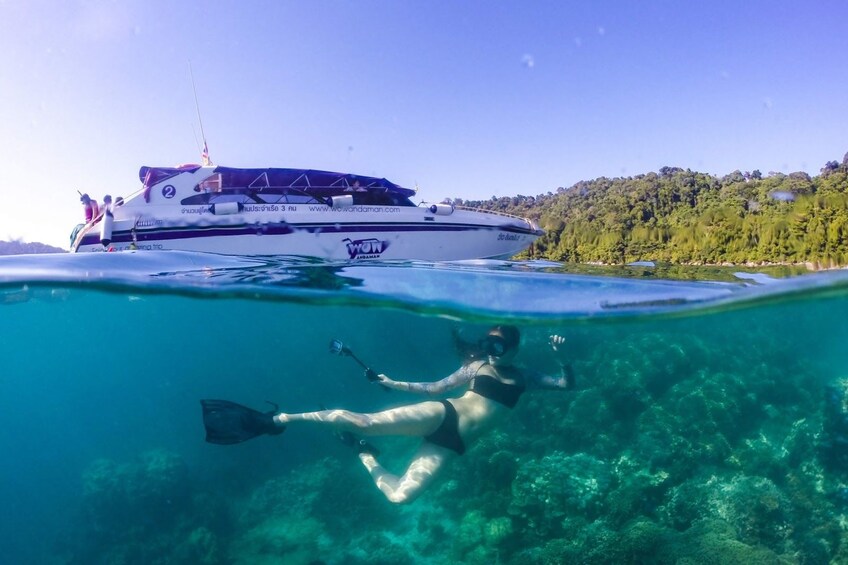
(365, 248)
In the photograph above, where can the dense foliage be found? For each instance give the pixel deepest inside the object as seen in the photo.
(682, 216)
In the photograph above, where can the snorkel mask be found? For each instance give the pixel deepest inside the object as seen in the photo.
(501, 342)
(494, 345)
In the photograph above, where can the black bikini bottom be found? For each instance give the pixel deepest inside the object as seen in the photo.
(447, 434)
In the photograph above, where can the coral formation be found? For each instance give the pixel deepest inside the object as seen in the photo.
(834, 440)
(676, 448)
(547, 490)
(295, 539)
(146, 511)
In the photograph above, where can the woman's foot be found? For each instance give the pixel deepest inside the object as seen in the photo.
(365, 447)
(361, 445)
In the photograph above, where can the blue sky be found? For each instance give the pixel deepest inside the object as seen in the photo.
(463, 99)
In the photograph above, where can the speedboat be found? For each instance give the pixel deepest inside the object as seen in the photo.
(333, 216)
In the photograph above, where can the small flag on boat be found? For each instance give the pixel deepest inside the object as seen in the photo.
(204, 157)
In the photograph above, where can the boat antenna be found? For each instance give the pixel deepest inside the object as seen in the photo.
(204, 155)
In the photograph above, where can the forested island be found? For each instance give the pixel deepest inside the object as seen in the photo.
(678, 216)
(685, 217)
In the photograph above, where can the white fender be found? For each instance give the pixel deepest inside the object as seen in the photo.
(106, 228)
(341, 201)
(441, 209)
(226, 208)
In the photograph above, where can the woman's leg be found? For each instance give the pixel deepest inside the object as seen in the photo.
(422, 470)
(414, 420)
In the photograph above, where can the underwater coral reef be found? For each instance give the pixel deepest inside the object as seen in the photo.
(675, 448)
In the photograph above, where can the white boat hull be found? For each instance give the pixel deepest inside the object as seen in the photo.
(436, 240)
(175, 214)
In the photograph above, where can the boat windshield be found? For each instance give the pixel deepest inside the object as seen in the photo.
(291, 196)
(295, 186)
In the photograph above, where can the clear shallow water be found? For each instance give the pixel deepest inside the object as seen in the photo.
(705, 423)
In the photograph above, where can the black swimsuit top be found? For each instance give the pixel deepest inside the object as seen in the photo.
(500, 392)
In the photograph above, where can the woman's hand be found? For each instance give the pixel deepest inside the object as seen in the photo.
(385, 382)
(556, 341)
(557, 345)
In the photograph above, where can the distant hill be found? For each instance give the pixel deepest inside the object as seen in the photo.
(23, 248)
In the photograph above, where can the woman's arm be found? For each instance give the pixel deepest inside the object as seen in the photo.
(455, 380)
(565, 380)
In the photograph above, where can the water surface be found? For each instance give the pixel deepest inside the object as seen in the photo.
(709, 420)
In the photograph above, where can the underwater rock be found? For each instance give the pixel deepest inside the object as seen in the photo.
(295, 540)
(642, 541)
(711, 541)
(645, 541)
(498, 530)
(376, 548)
(639, 490)
(760, 455)
(587, 543)
(146, 511)
(145, 491)
(754, 507)
(833, 444)
(589, 426)
(479, 539)
(163, 478)
(469, 537)
(639, 368)
(696, 423)
(547, 490)
(333, 493)
(201, 547)
(482, 481)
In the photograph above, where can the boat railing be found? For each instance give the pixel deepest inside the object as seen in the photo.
(496, 212)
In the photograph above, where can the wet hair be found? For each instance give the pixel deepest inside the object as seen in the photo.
(467, 350)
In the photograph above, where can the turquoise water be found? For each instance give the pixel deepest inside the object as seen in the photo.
(709, 422)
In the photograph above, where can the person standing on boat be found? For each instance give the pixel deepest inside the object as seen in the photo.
(92, 210)
(447, 428)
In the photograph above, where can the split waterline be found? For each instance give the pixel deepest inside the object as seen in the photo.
(710, 416)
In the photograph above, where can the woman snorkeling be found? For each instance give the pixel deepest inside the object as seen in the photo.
(447, 427)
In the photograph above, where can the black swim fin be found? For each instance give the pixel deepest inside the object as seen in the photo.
(227, 422)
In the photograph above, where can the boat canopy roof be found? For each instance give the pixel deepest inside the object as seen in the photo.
(300, 179)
